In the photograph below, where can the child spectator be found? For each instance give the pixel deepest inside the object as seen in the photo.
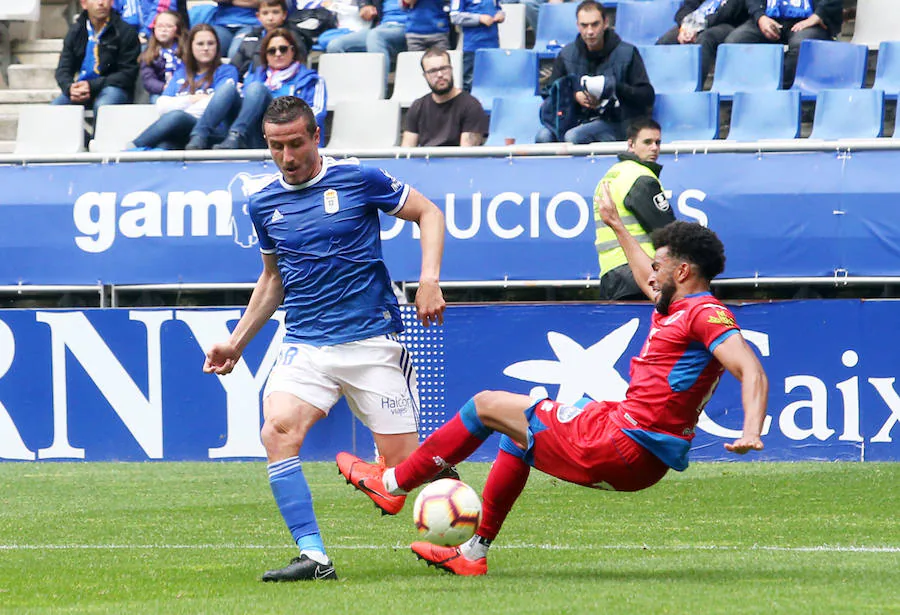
(188, 94)
(280, 73)
(271, 14)
(428, 24)
(142, 14)
(478, 19)
(163, 54)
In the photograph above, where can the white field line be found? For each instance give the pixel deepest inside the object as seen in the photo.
(548, 547)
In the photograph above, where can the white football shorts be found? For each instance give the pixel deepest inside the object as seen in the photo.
(376, 375)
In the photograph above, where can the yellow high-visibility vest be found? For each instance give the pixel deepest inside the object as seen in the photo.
(621, 177)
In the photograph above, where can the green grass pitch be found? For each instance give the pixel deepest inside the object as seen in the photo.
(815, 538)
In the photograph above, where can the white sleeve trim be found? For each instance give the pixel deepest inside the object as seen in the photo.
(270, 251)
(403, 196)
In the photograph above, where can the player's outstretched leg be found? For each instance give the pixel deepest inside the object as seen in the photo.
(367, 478)
(302, 569)
(450, 559)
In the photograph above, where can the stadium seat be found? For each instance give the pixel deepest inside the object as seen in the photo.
(50, 129)
(690, 116)
(365, 124)
(673, 68)
(409, 82)
(504, 73)
(765, 115)
(352, 76)
(117, 125)
(748, 68)
(557, 27)
(642, 22)
(876, 21)
(828, 65)
(848, 114)
(514, 118)
(887, 72)
(512, 30)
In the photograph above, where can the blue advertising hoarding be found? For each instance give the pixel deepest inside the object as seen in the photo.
(122, 384)
(516, 218)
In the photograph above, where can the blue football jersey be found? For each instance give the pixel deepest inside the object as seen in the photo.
(326, 234)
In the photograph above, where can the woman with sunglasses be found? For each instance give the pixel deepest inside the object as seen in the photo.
(188, 96)
(280, 73)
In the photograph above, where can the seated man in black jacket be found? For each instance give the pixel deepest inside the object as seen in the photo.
(706, 23)
(98, 63)
(608, 79)
(789, 22)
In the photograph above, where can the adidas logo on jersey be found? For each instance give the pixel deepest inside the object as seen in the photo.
(276, 216)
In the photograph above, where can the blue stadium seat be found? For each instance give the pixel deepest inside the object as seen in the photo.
(515, 118)
(828, 65)
(557, 27)
(887, 72)
(765, 115)
(748, 68)
(849, 114)
(504, 72)
(673, 68)
(642, 22)
(690, 116)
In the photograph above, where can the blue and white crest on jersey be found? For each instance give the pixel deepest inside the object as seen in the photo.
(241, 187)
(395, 183)
(330, 198)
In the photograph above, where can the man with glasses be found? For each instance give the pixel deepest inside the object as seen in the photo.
(446, 116)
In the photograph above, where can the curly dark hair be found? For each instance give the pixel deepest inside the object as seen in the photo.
(693, 243)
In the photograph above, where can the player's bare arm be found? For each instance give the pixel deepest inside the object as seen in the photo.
(430, 303)
(738, 358)
(266, 297)
(641, 264)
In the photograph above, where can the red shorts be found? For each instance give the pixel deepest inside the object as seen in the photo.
(584, 446)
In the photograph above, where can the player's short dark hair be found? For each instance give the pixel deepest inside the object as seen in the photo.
(587, 5)
(286, 109)
(641, 123)
(693, 243)
(433, 52)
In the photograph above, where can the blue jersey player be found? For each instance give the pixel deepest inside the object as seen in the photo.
(318, 230)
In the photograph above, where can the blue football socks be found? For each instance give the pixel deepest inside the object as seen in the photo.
(295, 503)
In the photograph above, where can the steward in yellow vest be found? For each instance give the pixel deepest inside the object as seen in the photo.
(642, 206)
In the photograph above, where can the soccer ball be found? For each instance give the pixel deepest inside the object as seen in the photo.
(447, 512)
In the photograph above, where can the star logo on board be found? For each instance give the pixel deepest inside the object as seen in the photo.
(579, 371)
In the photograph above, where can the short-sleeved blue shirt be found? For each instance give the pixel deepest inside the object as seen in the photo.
(326, 234)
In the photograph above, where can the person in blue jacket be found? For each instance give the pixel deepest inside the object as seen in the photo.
(188, 95)
(142, 14)
(478, 20)
(281, 72)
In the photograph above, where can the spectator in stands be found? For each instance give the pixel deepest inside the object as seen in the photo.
(349, 15)
(533, 9)
(478, 19)
(597, 86)
(98, 63)
(789, 22)
(388, 37)
(233, 20)
(706, 23)
(163, 54)
(447, 116)
(428, 24)
(188, 94)
(271, 14)
(641, 203)
(280, 73)
(142, 14)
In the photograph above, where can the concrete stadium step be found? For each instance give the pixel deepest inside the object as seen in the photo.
(53, 19)
(31, 77)
(42, 51)
(8, 125)
(7, 147)
(26, 97)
